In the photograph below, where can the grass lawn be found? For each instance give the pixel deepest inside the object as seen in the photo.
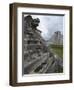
(57, 49)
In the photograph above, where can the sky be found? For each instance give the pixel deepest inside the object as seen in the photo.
(49, 24)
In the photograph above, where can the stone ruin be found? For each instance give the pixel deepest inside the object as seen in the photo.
(37, 56)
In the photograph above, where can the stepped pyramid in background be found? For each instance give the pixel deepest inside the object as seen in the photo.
(56, 39)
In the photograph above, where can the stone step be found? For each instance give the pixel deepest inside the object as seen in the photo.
(37, 64)
(45, 67)
(32, 65)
